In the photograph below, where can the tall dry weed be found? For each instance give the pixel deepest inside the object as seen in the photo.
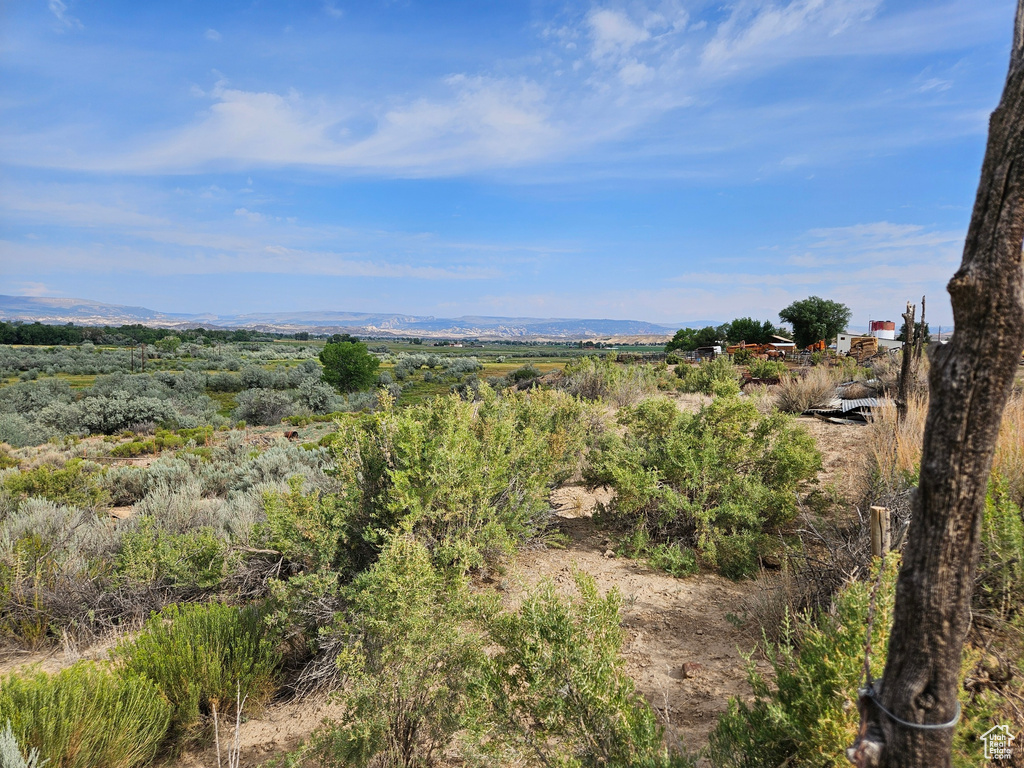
(1009, 458)
(815, 389)
(886, 370)
(895, 450)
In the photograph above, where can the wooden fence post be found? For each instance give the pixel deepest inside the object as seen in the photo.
(880, 535)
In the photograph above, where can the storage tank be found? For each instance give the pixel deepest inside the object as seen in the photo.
(883, 329)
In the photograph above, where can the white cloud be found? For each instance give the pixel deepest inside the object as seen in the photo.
(632, 64)
(268, 260)
(34, 289)
(332, 10)
(60, 10)
(635, 73)
(884, 236)
(613, 33)
(874, 268)
(935, 84)
(136, 240)
(757, 32)
(248, 215)
(212, 35)
(484, 122)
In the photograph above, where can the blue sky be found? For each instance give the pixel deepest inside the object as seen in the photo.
(664, 160)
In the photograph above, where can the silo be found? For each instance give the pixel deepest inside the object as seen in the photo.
(883, 329)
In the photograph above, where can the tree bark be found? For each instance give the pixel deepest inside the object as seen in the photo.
(908, 364)
(970, 380)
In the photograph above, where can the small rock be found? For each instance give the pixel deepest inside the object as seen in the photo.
(690, 669)
(700, 632)
(609, 553)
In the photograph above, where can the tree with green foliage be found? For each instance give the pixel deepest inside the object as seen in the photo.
(814, 319)
(749, 330)
(920, 328)
(689, 339)
(349, 366)
(168, 344)
(341, 338)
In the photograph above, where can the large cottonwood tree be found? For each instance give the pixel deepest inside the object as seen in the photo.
(970, 381)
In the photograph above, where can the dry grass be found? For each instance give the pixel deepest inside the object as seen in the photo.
(856, 390)
(815, 389)
(896, 450)
(1009, 458)
(886, 369)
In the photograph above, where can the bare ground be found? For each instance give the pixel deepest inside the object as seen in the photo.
(844, 455)
(682, 651)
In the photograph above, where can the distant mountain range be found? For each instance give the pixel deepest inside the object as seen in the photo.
(86, 312)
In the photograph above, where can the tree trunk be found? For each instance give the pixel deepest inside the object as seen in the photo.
(908, 364)
(970, 380)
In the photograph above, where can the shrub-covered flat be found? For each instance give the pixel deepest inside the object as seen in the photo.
(412, 552)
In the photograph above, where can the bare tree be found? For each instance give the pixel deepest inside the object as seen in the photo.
(970, 381)
(913, 348)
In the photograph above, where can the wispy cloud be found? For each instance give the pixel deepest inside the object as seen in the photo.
(762, 33)
(34, 289)
(134, 237)
(269, 260)
(212, 35)
(60, 11)
(603, 76)
(874, 268)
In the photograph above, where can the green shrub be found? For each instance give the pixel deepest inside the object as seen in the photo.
(806, 716)
(768, 369)
(712, 377)
(199, 656)
(716, 480)
(672, 558)
(470, 479)
(594, 378)
(6, 460)
(134, 448)
(742, 356)
(316, 530)
(151, 555)
(75, 484)
(555, 692)
(410, 661)
(525, 373)
(999, 585)
(85, 716)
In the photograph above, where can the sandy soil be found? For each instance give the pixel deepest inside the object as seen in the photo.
(275, 732)
(682, 651)
(52, 660)
(843, 454)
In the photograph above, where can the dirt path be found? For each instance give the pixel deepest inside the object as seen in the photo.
(680, 647)
(843, 455)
